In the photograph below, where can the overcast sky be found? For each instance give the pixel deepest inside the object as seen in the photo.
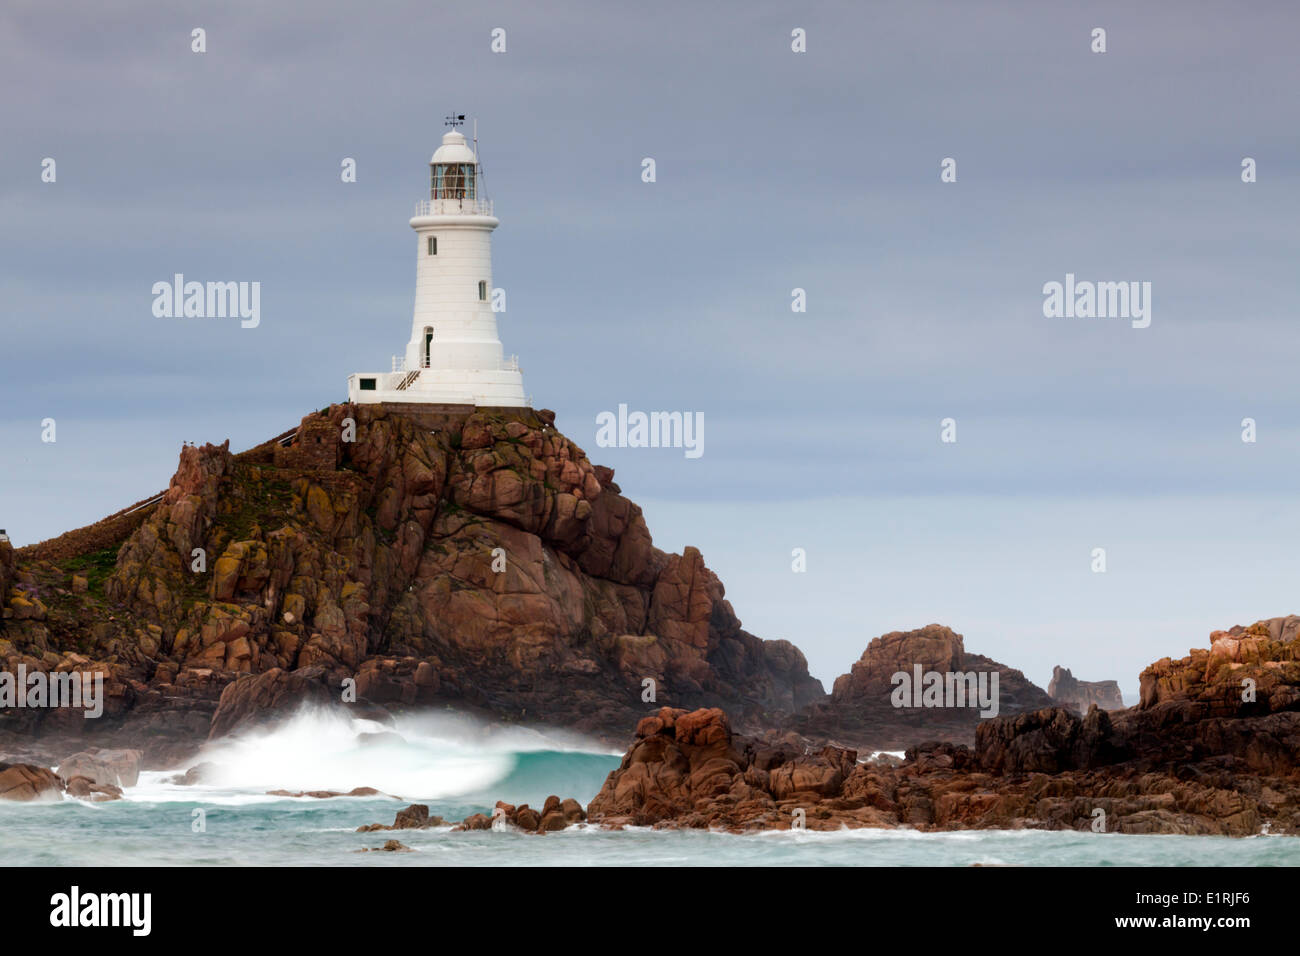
(775, 170)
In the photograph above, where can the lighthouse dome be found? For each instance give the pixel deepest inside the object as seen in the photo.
(454, 149)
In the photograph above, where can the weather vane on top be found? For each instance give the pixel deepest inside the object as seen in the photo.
(454, 120)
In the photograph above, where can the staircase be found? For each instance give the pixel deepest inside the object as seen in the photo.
(408, 380)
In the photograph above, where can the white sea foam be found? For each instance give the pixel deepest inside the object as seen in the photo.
(430, 756)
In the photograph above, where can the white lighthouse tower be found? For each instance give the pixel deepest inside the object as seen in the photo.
(454, 356)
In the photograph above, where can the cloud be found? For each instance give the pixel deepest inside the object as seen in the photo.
(775, 171)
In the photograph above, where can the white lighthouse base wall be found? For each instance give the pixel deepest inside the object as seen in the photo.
(497, 389)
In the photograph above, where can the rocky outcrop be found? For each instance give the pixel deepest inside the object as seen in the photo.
(113, 768)
(685, 767)
(485, 564)
(265, 698)
(84, 788)
(1245, 670)
(1049, 741)
(1078, 695)
(1213, 748)
(390, 846)
(1047, 770)
(862, 710)
(414, 817)
(555, 814)
(25, 782)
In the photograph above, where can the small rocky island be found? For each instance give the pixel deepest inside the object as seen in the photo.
(478, 561)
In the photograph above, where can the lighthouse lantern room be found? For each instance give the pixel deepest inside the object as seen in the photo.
(454, 355)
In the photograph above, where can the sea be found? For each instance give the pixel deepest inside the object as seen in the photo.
(457, 768)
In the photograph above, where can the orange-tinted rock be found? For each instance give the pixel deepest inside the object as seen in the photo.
(25, 782)
(527, 818)
(414, 817)
(276, 694)
(84, 788)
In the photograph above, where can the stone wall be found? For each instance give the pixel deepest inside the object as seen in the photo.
(316, 448)
(103, 534)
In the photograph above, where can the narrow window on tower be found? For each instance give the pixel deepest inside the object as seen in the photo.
(433, 245)
(482, 291)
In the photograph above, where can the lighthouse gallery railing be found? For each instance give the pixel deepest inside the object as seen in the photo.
(399, 364)
(450, 207)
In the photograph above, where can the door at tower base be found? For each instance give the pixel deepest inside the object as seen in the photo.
(498, 389)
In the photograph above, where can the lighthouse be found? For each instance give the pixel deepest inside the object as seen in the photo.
(454, 356)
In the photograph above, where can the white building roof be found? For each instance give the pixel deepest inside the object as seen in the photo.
(454, 149)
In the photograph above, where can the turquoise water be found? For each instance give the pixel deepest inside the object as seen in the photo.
(458, 770)
(295, 833)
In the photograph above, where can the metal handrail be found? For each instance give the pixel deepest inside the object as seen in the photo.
(399, 364)
(443, 207)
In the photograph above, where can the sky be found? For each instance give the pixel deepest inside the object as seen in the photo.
(775, 170)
